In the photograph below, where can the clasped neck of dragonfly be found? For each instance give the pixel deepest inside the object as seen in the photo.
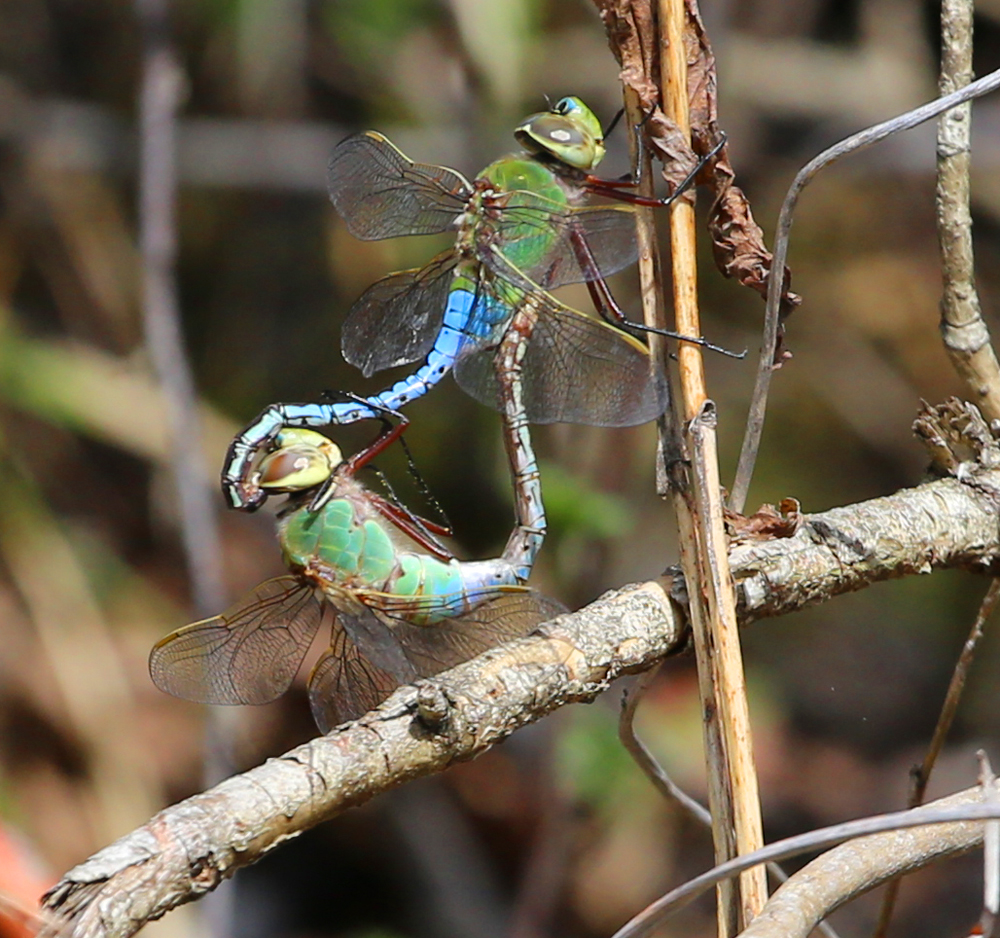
(568, 133)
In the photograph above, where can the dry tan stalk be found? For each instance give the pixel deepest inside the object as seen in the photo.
(733, 790)
(673, 478)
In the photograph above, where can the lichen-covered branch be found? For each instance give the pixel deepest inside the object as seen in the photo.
(185, 850)
(963, 329)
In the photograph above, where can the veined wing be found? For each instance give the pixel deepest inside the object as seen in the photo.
(498, 615)
(344, 685)
(248, 655)
(395, 321)
(381, 193)
(576, 369)
(556, 244)
(355, 675)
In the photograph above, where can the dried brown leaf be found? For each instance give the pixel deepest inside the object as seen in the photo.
(737, 240)
(767, 523)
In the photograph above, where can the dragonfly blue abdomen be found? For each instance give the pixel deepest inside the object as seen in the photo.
(519, 234)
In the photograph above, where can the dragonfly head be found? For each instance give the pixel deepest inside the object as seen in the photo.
(301, 460)
(568, 132)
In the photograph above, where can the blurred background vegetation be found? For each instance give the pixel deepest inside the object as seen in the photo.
(555, 832)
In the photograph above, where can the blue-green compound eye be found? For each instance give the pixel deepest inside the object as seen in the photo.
(566, 106)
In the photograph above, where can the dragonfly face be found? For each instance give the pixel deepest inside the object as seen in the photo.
(302, 459)
(569, 133)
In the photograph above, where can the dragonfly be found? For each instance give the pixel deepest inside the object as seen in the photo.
(396, 603)
(520, 233)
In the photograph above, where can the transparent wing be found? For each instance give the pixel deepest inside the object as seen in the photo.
(576, 369)
(501, 615)
(248, 655)
(376, 649)
(380, 193)
(395, 320)
(555, 244)
(344, 685)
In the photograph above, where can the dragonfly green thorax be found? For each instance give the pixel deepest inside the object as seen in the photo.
(355, 541)
(397, 604)
(567, 133)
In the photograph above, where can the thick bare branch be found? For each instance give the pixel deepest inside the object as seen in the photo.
(185, 850)
(847, 871)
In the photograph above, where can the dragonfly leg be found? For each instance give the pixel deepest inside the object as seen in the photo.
(609, 309)
(611, 189)
(611, 312)
(526, 539)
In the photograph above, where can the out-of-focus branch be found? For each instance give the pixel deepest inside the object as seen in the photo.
(185, 850)
(963, 329)
(162, 83)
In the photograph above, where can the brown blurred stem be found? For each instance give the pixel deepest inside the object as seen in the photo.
(162, 83)
(963, 329)
(765, 364)
(921, 774)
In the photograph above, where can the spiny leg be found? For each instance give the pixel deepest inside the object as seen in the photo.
(527, 537)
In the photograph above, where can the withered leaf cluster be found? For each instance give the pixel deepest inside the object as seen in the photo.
(634, 37)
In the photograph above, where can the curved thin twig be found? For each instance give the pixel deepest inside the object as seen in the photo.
(657, 913)
(765, 365)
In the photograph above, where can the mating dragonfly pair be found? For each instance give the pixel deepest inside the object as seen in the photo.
(401, 606)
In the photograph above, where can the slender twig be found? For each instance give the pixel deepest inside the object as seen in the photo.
(646, 761)
(953, 695)
(922, 774)
(162, 86)
(964, 331)
(765, 365)
(662, 781)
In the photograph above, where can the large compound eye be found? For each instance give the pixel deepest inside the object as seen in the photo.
(294, 468)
